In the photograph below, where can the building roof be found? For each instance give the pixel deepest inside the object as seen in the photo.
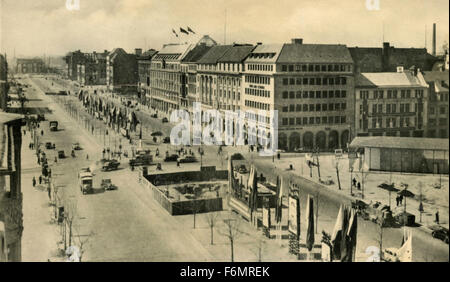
(267, 53)
(314, 53)
(8, 117)
(236, 54)
(173, 52)
(390, 79)
(196, 53)
(400, 143)
(214, 54)
(436, 76)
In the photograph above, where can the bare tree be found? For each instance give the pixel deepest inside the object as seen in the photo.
(70, 215)
(211, 219)
(82, 241)
(260, 243)
(195, 208)
(232, 231)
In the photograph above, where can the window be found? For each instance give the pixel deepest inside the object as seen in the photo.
(292, 81)
(310, 68)
(285, 94)
(305, 120)
(318, 81)
(331, 94)
(305, 94)
(284, 68)
(305, 81)
(323, 68)
(337, 119)
(331, 107)
(318, 94)
(298, 95)
(343, 119)
(291, 121)
(298, 121)
(311, 94)
(324, 120)
(305, 107)
(432, 110)
(325, 94)
(318, 107)
(311, 81)
(337, 107)
(394, 94)
(311, 120)
(402, 95)
(297, 67)
(291, 95)
(343, 94)
(442, 110)
(299, 81)
(343, 80)
(324, 107)
(388, 108)
(317, 120)
(304, 68)
(394, 108)
(402, 108)
(325, 81)
(285, 121)
(311, 107)
(298, 108)
(343, 106)
(380, 108)
(337, 93)
(292, 108)
(291, 67)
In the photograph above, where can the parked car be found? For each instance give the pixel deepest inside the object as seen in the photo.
(76, 146)
(154, 116)
(110, 165)
(171, 158)
(61, 154)
(164, 119)
(107, 184)
(440, 232)
(166, 140)
(49, 145)
(188, 159)
(241, 169)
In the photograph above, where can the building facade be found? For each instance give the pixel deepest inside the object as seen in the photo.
(391, 104)
(167, 81)
(30, 66)
(11, 222)
(438, 107)
(314, 96)
(121, 72)
(4, 86)
(144, 61)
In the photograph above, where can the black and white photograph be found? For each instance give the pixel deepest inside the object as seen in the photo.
(228, 131)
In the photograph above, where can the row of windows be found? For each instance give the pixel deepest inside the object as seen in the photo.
(259, 67)
(257, 79)
(442, 110)
(391, 94)
(390, 122)
(314, 120)
(229, 81)
(390, 108)
(314, 107)
(315, 94)
(228, 94)
(257, 92)
(165, 75)
(314, 81)
(257, 105)
(442, 121)
(316, 68)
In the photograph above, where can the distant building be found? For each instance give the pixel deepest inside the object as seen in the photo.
(4, 86)
(391, 104)
(87, 68)
(408, 154)
(144, 61)
(388, 58)
(438, 106)
(11, 223)
(30, 66)
(122, 72)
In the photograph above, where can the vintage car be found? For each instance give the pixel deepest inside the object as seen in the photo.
(166, 140)
(76, 146)
(440, 232)
(61, 154)
(164, 120)
(188, 159)
(49, 145)
(171, 158)
(107, 184)
(110, 165)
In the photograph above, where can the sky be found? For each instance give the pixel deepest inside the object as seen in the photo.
(38, 27)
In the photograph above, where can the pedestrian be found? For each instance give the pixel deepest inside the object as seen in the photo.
(401, 199)
(354, 182)
(87, 157)
(40, 179)
(56, 159)
(178, 163)
(437, 217)
(34, 181)
(359, 186)
(397, 200)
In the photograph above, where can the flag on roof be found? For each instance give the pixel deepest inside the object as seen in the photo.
(190, 30)
(183, 30)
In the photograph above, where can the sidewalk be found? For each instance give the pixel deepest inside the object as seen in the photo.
(40, 236)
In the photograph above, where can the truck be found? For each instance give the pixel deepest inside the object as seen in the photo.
(86, 181)
(53, 125)
(142, 159)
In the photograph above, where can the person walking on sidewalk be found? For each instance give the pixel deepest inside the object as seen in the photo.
(34, 181)
(40, 179)
(437, 217)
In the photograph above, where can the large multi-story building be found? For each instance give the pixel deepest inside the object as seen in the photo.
(438, 107)
(121, 72)
(144, 61)
(30, 66)
(4, 86)
(167, 81)
(391, 104)
(11, 223)
(92, 69)
(313, 88)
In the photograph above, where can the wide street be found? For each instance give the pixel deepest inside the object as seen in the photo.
(128, 225)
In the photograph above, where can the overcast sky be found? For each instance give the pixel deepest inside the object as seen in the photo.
(35, 27)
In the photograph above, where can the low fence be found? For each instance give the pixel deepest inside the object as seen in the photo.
(175, 207)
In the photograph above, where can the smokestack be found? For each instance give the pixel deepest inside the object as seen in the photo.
(297, 40)
(434, 40)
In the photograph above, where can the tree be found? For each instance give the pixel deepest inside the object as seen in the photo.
(336, 165)
(195, 207)
(260, 243)
(82, 241)
(211, 219)
(70, 215)
(232, 232)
